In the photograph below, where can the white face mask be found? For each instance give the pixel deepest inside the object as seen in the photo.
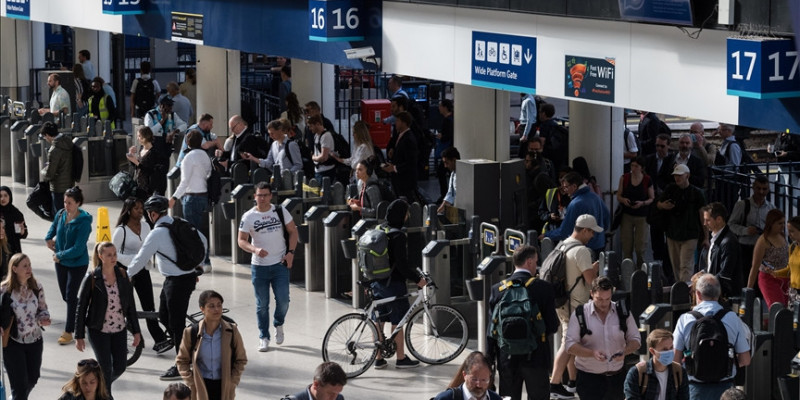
(666, 357)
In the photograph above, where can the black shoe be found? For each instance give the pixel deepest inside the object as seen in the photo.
(380, 364)
(172, 374)
(163, 346)
(406, 363)
(557, 391)
(570, 386)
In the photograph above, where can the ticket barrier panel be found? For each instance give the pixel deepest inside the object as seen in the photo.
(5, 136)
(173, 180)
(315, 248)
(349, 248)
(219, 229)
(19, 147)
(297, 207)
(490, 271)
(31, 151)
(626, 270)
(338, 268)
(242, 198)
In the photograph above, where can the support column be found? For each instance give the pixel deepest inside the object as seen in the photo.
(595, 131)
(15, 53)
(212, 64)
(487, 136)
(164, 55)
(313, 81)
(99, 45)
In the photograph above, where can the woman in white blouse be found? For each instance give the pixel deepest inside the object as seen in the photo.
(364, 146)
(128, 237)
(24, 311)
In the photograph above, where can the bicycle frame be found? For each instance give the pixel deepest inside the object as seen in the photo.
(422, 298)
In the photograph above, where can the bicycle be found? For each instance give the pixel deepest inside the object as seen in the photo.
(134, 352)
(434, 333)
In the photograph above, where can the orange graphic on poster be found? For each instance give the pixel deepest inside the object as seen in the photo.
(577, 73)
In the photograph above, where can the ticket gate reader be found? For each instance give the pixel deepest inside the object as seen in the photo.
(315, 248)
(242, 198)
(31, 157)
(349, 249)
(491, 270)
(338, 269)
(219, 230)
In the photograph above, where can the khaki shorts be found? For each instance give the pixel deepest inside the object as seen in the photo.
(563, 316)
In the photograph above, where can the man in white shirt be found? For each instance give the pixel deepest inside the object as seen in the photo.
(193, 189)
(274, 239)
(59, 100)
(85, 58)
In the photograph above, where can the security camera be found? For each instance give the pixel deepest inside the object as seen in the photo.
(359, 53)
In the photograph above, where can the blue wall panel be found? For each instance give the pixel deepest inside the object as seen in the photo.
(274, 27)
(775, 114)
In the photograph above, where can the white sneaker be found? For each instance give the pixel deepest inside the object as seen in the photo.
(263, 344)
(279, 334)
(207, 268)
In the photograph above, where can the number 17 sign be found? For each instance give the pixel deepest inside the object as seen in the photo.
(335, 20)
(763, 68)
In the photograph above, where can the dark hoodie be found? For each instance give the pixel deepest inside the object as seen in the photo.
(59, 164)
(398, 243)
(11, 215)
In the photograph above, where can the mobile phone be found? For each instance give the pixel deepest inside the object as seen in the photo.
(615, 355)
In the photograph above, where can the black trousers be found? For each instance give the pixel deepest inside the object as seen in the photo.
(23, 362)
(111, 351)
(213, 388)
(69, 282)
(174, 303)
(658, 242)
(144, 290)
(600, 386)
(536, 380)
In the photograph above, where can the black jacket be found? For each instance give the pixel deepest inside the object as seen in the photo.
(398, 245)
(404, 158)
(697, 170)
(304, 396)
(93, 301)
(11, 215)
(249, 142)
(541, 293)
(662, 178)
(726, 262)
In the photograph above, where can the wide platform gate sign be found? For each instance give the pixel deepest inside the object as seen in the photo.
(504, 62)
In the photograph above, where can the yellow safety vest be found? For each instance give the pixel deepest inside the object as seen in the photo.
(103, 109)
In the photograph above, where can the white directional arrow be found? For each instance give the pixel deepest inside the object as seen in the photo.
(528, 56)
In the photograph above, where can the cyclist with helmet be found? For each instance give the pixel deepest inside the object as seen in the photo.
(178, 284)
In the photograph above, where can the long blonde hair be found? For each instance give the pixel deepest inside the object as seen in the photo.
(98, 248)
(11, 283)
(361, 134)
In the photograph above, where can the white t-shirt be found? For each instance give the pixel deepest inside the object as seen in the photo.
(662, 382)
(323, 141)
(265, 232)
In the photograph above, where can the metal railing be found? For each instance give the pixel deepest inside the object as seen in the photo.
(727, 184)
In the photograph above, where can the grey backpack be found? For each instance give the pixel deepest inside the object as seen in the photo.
(373, 253)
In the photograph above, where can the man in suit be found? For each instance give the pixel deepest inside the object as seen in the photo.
(534, 368)
(724, 256)
(695, 164)
(660, 166)
(242, 140)
(329, 381)
(402, 163)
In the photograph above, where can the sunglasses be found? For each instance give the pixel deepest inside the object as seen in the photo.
(88, 362)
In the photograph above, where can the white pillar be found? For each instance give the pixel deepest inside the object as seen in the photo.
(37, 45)
(595, 131)
(313, 81)
(212, 64)
(482, 124)
(15, 53)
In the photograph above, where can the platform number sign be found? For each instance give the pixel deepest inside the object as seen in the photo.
(335, 20)
(123, 7)
(763, 68)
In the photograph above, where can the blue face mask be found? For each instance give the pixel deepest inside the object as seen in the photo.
(666, 357)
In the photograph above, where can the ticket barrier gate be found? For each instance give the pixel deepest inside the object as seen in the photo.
(32, 147)
(314, 234)
(349, 248)
(6, 105)
(219, 230)
(789, 384)
(297, 206)
(338, 268)
(20, 147)
(242, 198)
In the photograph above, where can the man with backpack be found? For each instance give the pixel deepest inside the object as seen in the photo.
(58, 170)
(523, 317)
(572, 283)
(707, 338)
(584, 201)
(660, 377)
(177, 245)
(274, 239)
(601, 333)
(144, 92)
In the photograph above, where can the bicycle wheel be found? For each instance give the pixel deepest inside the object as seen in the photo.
(436, 336)
(350, 342)
(134, 352)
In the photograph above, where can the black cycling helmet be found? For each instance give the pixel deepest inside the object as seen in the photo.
(156, 203)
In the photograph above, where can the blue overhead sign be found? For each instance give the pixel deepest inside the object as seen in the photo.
(504, 62)
(671, 12)
(335, 20)
(124, 7)
(763, 68)
(20, 9)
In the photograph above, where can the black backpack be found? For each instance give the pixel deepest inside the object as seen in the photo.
(145, 95)
(385, 191)
(77, 162)
(305, 155)
(712, 355)
(554, 270)
(189, 246)
(340, 145)
(622, 316)
(664, 128)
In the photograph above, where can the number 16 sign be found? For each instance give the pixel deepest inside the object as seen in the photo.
(763, 68)
(335, 20)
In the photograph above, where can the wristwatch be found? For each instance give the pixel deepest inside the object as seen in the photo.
(289, 251)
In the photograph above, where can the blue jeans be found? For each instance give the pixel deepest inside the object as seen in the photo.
(263, 276)
(194, 211)
(702, 391)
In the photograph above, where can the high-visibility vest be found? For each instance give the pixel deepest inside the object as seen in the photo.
(102, 108)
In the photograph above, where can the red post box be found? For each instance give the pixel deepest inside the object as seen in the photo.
(373, 112)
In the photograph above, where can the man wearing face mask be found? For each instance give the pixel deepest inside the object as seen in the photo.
(660, 378)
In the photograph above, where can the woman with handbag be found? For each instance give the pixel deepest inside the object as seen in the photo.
(770, 254)
(150, 174)
(635, 193)
(106, 307)
(67, 238)
(23, 311)
(128, 237)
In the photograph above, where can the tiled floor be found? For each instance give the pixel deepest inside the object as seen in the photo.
(284, 369)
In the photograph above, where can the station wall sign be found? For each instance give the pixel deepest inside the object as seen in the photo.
(124, 7)
(590, 78)
(19, 9)
(763, 68)
(671, 12)
(506, 62)
(187, 28)
(335, 20)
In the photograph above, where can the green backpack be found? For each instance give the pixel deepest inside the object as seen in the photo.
(516, 324)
